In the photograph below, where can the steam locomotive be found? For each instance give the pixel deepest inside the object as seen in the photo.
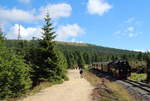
(119, 69)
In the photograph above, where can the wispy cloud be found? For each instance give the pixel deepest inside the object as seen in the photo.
(98, 7)
(14, 15)
(74, 40)
(56, 11)
(130, 20)
(24, 1)
(138, 50)
(129, 28)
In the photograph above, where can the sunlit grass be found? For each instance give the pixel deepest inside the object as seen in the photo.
(40, 87)
(138, 77)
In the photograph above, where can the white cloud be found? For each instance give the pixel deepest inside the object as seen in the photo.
(138, 50)
(127, 32)
(134, 34)
(26, 33)
(63, 32)
(56, 10)
(98, 7)
(131, 35)
(16, 15)
(130, 29)
(130, 20)
(24, 1)
(69, 31)
(74, 40)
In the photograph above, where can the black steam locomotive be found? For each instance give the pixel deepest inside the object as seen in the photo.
(119, 69)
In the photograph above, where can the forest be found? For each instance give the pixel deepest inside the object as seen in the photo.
(24, 64)
(82, 53)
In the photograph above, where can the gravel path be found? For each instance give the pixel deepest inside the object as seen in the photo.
(76, 89)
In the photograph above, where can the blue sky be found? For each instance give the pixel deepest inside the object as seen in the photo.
(121, 24)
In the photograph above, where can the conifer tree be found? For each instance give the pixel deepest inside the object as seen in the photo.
(14, 73)
(50, 68)
(80, 60)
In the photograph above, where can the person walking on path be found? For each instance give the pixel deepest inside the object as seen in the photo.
(81, 73)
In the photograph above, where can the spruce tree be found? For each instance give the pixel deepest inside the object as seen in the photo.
(14, 73)
(80, 60)
(50, 65)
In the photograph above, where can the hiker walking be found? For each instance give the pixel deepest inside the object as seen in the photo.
(81, 73)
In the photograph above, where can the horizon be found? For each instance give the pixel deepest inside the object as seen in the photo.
(107, 23)
(92, 44)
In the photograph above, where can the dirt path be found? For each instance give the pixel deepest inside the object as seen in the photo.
(76, 89)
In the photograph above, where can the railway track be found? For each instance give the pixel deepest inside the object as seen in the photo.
(140, 91)
(140, 85)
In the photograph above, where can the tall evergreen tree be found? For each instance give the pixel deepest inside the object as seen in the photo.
(80, 60)
(49, 66)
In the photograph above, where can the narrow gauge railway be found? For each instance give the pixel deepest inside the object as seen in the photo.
(140, 85)
(140, 91)
(119, 69)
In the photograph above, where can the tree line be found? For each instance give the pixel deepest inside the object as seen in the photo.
(80, 54)
(76, 54)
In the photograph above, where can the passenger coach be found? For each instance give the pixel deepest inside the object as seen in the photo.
(119, 69)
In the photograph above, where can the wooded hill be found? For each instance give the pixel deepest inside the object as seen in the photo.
(73, 45)
(91, 47)
(81, 53)
(92, 53)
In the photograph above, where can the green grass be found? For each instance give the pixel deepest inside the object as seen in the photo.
(138, 77)
(40, 87)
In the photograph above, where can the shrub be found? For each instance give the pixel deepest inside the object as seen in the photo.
(14, 75)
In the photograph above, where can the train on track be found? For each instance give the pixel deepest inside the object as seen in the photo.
(119, 69)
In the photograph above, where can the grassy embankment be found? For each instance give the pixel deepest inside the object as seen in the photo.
(107, 91)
